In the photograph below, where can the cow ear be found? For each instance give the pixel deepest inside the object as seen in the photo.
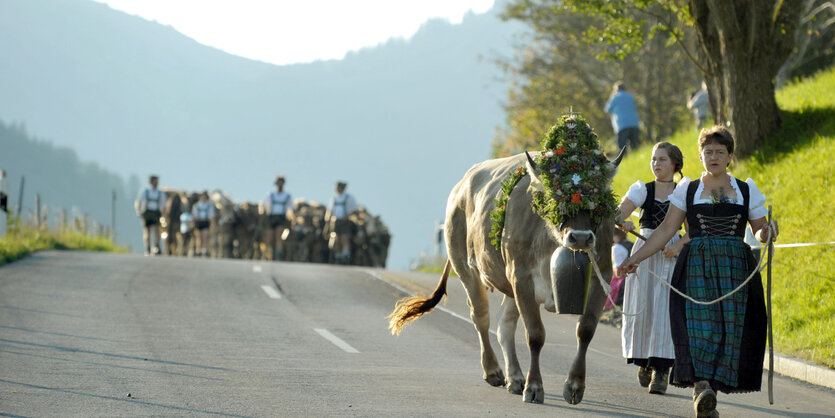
(534, 171)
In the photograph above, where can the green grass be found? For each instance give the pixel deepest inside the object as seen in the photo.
(795, 170)
(21, 241)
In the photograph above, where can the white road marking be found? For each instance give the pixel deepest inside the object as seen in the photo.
(336, 340)
(271, 292)
(256, 268)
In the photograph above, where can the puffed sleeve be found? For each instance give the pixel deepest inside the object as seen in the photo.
(679, 196)
(756, 201)
(637, 193)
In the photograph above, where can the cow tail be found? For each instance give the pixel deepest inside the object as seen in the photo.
(411, 308)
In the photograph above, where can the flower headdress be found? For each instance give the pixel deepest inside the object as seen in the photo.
(573, 173)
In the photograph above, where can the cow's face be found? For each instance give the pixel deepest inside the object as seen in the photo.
(576, 232)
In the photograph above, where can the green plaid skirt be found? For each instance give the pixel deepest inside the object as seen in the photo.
(719, 342)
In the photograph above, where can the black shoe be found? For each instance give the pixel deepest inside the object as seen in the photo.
(658, 384)
(704, 400)
(644, 376)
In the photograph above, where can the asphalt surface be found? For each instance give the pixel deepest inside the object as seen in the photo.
(84, 334)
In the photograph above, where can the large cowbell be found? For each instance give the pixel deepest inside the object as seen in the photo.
(570, 280)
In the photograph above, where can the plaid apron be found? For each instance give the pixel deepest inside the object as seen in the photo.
(716, 267)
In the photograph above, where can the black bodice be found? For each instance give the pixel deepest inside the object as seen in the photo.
(653, 212)
(717, 219)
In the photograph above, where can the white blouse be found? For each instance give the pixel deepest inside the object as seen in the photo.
(637, 194)
(756, 200)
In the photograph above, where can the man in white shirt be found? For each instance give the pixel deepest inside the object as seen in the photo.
(148, 205)
(340, 207)
(699, 106)
(279, 208)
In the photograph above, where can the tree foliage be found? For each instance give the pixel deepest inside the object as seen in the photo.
(740, 47)
(557, 68)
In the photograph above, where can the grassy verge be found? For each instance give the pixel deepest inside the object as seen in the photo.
(794, 170)
(21, 241)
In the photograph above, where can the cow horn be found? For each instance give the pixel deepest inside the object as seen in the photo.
(532, 163)
(620, 156)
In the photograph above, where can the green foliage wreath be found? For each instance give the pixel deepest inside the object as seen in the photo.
(574, 173)
(497, 215)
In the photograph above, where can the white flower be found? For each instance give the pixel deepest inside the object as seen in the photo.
(573, 145)
(549, 154)
(573, 158)
(571, 125)
(558, 192)
(591, 204)
(553, 170)
(598, 151)
(575, 178)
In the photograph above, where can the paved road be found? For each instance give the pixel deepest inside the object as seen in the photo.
(120, 335)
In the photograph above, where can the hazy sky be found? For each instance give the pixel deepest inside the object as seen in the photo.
(292, 31)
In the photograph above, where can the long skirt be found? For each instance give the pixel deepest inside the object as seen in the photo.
(646, 335)
(723, 343)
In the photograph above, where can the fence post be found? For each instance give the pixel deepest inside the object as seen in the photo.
(37, 211)
(4, 209)
(113, 217)
(20, 199)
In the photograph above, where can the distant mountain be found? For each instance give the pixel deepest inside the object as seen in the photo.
(400, 122)
(56, 174)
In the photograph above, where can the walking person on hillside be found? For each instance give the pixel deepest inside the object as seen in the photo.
(719, 346)
(279, 206)
(645, 334)
(148, 205)
(624, 115)
(698, 104)
(204, 214)
(340, 207)
(4, 203)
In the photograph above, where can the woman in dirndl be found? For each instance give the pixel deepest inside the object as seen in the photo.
(718, 346)
(646, 321)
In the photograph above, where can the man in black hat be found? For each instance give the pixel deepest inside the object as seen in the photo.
(279, 206)
(341, 206)
(149, 206)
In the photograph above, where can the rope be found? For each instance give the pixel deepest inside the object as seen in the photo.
(608, 289)
(760, 267)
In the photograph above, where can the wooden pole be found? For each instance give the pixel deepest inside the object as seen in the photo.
(113, 217)
(770, 249)
(20, 199)
(38, 210)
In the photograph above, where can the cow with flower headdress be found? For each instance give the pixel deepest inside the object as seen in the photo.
(529, 226)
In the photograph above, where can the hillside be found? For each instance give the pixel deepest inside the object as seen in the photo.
(795, 172)
(400, 122)
(64, 182)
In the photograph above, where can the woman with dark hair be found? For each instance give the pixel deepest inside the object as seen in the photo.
(719, 344)
(646, 321)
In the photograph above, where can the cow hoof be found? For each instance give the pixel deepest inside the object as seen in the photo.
(495, 378)
(515, 386)
(534, 394)
(573, 392)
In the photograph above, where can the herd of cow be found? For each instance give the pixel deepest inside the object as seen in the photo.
(241, 230)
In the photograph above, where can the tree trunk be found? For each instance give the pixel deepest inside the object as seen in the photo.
(743, 44)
